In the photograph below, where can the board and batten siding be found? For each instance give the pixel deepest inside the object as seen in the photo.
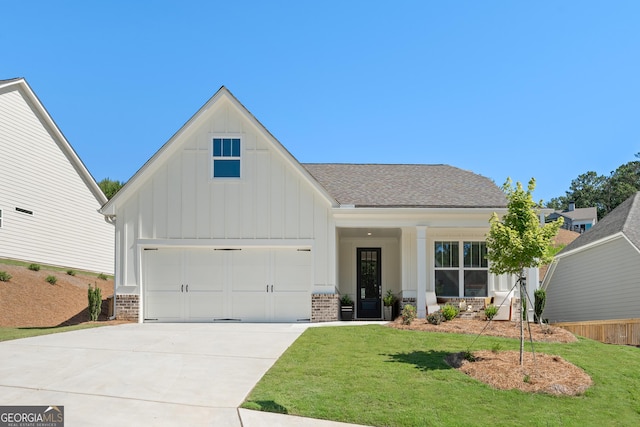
(597, 283)
(179, 201)
(65, 228)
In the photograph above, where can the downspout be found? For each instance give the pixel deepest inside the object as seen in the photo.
(111, 219)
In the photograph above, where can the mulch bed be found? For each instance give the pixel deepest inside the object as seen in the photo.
(504, 329)
(540, 373)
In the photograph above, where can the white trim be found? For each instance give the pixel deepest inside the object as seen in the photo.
(222, 135)
(226, 243)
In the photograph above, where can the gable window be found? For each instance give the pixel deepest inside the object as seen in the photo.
(226, 157)
(468, 278)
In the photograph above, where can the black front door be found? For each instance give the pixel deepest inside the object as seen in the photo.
(369, 287)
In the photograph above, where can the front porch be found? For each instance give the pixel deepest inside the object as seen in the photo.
(408, 262)
(374, 261)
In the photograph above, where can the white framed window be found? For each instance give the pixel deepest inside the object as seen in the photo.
(0, 218)
(454, 278)
(226, 157)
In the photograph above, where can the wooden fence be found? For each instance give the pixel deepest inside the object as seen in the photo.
(618, 331)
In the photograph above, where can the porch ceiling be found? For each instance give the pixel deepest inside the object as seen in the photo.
(369, 232)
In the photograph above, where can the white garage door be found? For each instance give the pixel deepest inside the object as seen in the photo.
(204, 285)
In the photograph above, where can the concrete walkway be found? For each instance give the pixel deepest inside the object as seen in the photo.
(149, 374)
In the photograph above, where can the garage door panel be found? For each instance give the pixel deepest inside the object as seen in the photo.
(249, 306)
(163, 306)
(292, 270)
(205, 306)
(249, 270)
(291, 306)
(164, 270)
(205, 270)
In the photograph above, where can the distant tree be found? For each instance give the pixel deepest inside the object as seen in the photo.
(518, 241)
(110, 187)
(622, 184)
(599, 191)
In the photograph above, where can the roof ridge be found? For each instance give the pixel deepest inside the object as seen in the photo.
(378, 164)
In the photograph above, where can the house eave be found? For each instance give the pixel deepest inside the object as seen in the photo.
(42, 113)
(591, 245)
(408, 217)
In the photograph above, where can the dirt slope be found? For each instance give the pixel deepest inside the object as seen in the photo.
(27, 300)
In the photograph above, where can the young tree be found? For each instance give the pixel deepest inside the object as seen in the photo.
(518, 241)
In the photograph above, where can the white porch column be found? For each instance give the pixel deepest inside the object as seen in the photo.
(421, 254)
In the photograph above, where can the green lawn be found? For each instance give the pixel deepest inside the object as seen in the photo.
(7, 334)
(381, 376)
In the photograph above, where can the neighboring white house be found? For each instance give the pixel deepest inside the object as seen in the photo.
(223, 223)
(48, 200)
(597, 276)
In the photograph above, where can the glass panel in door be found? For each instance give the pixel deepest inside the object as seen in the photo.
(369, 298)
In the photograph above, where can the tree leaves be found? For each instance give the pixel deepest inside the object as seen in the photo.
(518, 241)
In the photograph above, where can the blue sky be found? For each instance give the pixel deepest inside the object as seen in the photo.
(545, 89)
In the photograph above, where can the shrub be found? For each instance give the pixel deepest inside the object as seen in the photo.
(450, 311)
(408, 314)
(389, 298)
(491, 311)
(51, 279)
(71, 272)
(4, 276)
(34, 267)
(540, 299)
(435, 318)
(102, 276)
(346, 300)
(95, 302)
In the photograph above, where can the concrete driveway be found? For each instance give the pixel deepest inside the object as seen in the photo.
(147, 374)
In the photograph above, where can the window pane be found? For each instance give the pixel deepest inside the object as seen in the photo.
(226, 168)
(483, 255)
(446, 254)
(447, 283)
(475, 254)
(217, 147)
(226, 147)
(235, 147)
(475, 283)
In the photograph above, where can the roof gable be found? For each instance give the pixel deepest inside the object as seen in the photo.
(398, 185)
(41, 112)
(222, 95)
(623, 219)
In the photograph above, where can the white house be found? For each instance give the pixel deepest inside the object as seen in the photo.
(48, 200)
(597, 276)
(223, 223)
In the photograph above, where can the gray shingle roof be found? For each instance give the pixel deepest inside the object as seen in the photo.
(579, 213)
(625, 218)
(380, 185)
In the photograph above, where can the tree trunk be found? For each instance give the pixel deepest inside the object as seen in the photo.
(522, 293)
